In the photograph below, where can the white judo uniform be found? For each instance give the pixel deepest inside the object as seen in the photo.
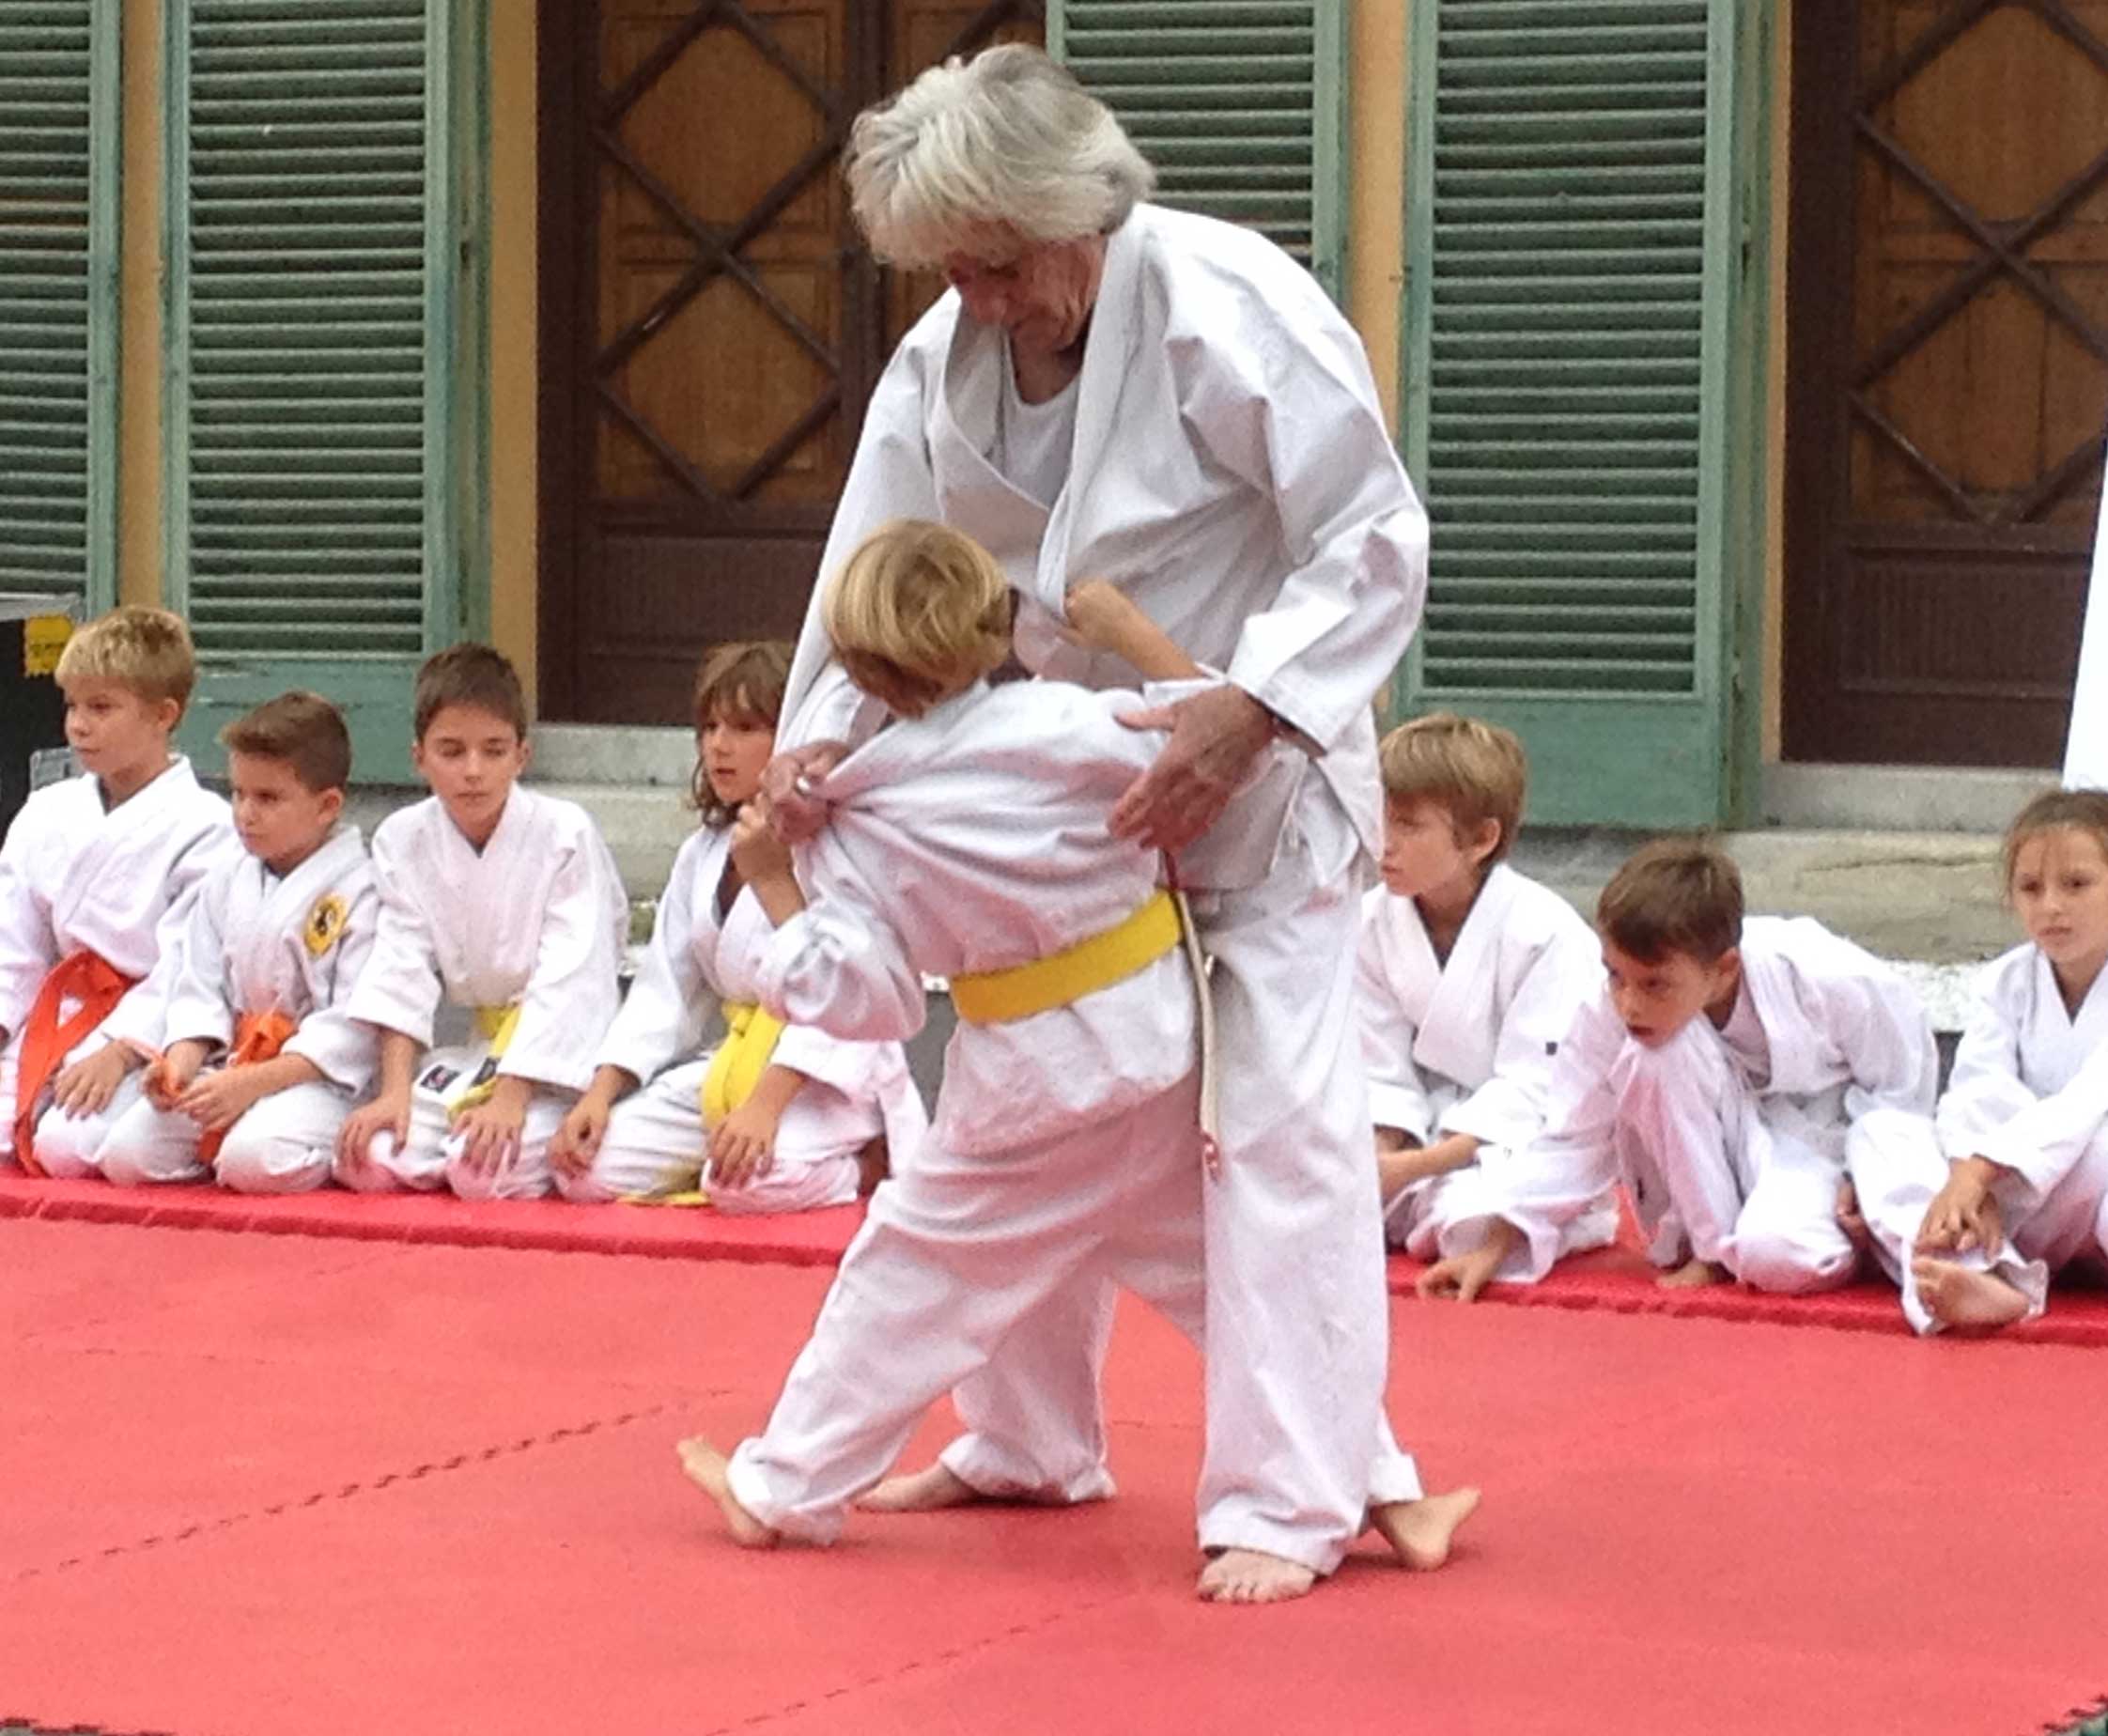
(256, 943)
(1465, 1046)
(77, 877)
(1733, 1143)
(656, 1139)
(2086, 748)
(1230, 469)
(535, 921)
(2029, 1090)
(1065, 1146)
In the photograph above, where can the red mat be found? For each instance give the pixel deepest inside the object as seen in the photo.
(1618, 1279)
(288, 1487)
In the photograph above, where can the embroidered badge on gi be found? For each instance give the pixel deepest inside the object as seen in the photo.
(325, 923)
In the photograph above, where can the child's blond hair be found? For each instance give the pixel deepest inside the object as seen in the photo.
(921, 612)
(1476, 771)
(303, 729)
(1673, 895)
(2081, 811)
(743, 682)
(470, 675)
(147, 651)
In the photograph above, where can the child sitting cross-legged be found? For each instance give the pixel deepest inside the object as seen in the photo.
(2025, 1121)
(1470, 975)
(260, 973)
(773, 1117)
(504, 903)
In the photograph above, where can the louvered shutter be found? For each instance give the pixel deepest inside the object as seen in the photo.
(1571, 253)
(59, 149)
(311, 487)
(1240, 105)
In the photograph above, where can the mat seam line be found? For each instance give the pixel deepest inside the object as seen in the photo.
(351, 1491)
(987, 1642)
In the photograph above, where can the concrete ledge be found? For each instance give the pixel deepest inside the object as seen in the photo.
(602, 753)
(1899, 797)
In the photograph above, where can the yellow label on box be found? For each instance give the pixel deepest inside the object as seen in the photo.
(43, 637)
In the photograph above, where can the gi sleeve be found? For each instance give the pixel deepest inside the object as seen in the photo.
(1508, 1111)
(341, 1047)
(188, 981)
(1880, 1025)
(666, 1012)
(570, 996)
(1566, 1171)
(398, 989)
(838, 966)
(28, 948)
(891, 477)
(1985, 1091)
(212, 853)
(1397, 1096)
(1281, 396)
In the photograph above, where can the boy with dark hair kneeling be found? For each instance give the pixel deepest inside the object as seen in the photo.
(1740, 1074)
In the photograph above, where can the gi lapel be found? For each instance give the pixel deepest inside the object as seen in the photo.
(1459, 1030)
(974, 495)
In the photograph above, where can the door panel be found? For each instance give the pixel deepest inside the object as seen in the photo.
(711, 324)
(1949, 373)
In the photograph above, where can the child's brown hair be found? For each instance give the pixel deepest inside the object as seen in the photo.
(1477, 771)
(147, 651)
(918, 614)
(2083, 810)
(303, 729)
(470, 674)
(743, 682)
(1673, 895)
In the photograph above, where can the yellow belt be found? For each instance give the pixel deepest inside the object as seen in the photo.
(496, 1025)
(742, 1058)
(997, 997)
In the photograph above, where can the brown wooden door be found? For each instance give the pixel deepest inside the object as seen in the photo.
(1947, 374)
(711, 328)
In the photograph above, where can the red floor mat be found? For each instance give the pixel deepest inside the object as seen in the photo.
(1617, 1278)
(268, 1487)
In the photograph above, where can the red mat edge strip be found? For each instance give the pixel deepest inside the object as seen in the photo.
(1618, 1280)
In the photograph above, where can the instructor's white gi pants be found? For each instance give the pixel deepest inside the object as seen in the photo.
(1297, 1312)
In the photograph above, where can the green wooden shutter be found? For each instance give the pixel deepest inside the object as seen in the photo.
(1574, 252)
(60, 142)
(313, 448)
(1240, 105)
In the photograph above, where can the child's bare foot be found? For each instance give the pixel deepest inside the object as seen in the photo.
(1252, 1577)
(1693, 1274)
(1420, 1532)
(1966, 1299)
(1851, 1220)
(926, 1491)
(705, 1466)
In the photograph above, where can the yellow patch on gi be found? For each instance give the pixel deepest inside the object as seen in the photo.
(43, 637)
(325, 923)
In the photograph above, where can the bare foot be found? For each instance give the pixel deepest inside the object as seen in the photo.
(705, 1466)
(926, 1491)
(1851, 1220)
(1420, 1532)
(1966, 1299)
(1694, 1275)
(1251, 1576)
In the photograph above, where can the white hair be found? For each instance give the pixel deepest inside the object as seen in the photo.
(1007, 140)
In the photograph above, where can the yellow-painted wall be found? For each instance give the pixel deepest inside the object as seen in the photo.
(139, 445)
(513, 372)
(1376, 187)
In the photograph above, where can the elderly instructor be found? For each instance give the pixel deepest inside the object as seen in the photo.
(1115, 390)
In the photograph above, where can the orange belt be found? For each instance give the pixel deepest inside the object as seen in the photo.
(98, 985)
(257, 1036)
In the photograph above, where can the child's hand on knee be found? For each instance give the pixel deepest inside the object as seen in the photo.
(577, 1141)
(1964, 1213)
(490, 1132)
(388, 1114)
(744, 1146)
(88, 1086)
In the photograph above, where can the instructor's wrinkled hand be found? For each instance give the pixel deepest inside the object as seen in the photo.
(796, 812)
(1215, 736)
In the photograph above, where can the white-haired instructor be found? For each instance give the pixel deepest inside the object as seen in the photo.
(1115, 390)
